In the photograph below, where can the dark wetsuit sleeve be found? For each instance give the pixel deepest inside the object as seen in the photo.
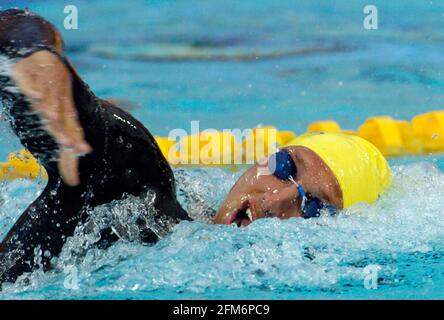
(41, 230)
(125, 160)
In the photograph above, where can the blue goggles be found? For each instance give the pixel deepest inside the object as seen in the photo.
(282, 166)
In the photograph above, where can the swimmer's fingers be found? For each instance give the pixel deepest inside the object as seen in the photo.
(62, 113)
(52, 109)
(66, 127)
(46, 82)
(68, 161)
(56, 82)
(69, 167)
(71, 124)
(33, 76)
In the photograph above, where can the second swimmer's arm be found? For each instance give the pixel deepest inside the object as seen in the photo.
(45, 80)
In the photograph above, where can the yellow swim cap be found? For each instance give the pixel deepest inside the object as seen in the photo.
(361, 170)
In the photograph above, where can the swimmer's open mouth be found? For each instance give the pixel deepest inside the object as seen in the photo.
(243, 216)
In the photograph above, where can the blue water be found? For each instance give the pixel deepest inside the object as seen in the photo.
(238, 64)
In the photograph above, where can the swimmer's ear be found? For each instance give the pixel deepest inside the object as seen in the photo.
(46, 81)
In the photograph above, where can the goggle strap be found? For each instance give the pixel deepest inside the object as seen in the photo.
(301, 191)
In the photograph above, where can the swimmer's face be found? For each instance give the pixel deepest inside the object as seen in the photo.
(259, 194)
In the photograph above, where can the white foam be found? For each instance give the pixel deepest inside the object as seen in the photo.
(6, 64)
(404, 227)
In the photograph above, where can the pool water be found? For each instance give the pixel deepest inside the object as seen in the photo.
(239, 64)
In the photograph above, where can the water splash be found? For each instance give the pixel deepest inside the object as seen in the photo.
(402, 233)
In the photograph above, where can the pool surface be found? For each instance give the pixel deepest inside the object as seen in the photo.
(239, 64)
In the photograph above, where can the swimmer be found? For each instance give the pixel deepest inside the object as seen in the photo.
(316, 173)
(93, 151)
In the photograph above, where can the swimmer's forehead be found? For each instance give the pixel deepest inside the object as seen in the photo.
(22, 32)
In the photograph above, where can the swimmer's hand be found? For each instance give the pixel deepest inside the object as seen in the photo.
(46, 82)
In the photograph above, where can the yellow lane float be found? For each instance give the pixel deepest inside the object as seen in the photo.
(421, 136)
(429, 128)
(384, 133)
(21, 166)
(411, 142)
(328, 125)
(210, 147)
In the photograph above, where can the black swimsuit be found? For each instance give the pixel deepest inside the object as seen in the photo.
(125, 160)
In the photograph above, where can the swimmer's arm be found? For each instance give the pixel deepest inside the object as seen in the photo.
(45, 80)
